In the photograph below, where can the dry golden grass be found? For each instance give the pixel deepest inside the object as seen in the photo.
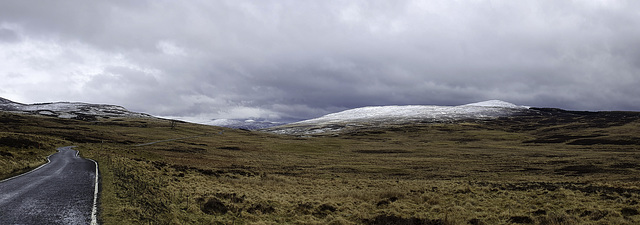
(493, 172)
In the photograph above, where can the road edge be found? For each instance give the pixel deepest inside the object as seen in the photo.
(31, 171)
(94, 209)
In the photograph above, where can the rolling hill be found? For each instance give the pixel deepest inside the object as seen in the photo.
(377, 116)
(513, 165)
(69, 110)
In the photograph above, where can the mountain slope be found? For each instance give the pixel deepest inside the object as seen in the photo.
(389, 115)
(70, 110)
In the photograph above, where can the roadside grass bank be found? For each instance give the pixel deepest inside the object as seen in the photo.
(20, 153)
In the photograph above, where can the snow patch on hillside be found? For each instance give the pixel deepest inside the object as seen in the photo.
(69, 110)
(377, 115)
(486, 109)
(495, 103)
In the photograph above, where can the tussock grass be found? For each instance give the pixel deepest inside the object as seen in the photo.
(508, 171)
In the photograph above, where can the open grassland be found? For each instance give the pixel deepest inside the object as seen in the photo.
(571, 169)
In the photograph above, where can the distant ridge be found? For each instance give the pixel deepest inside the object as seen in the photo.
(70, 110)
(486, 109)
(248, 124)
(389, 115)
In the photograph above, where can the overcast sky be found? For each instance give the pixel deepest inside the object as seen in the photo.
(299, 59)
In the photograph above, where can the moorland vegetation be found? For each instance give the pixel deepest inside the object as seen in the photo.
(555, 168)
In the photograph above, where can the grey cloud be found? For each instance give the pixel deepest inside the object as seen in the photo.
(8, 35)
(303, 59)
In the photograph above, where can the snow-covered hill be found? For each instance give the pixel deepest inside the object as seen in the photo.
(72, 110)
(377, 115)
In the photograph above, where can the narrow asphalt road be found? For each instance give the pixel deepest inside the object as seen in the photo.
(60, 192)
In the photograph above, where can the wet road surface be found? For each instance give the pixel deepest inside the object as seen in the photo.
(60, 192)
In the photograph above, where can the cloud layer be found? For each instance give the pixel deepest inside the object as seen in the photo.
(286, 60)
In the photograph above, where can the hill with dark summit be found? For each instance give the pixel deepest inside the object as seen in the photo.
(69, 110)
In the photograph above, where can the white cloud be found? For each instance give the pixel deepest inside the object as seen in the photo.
(170, 48)
(38, 70)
